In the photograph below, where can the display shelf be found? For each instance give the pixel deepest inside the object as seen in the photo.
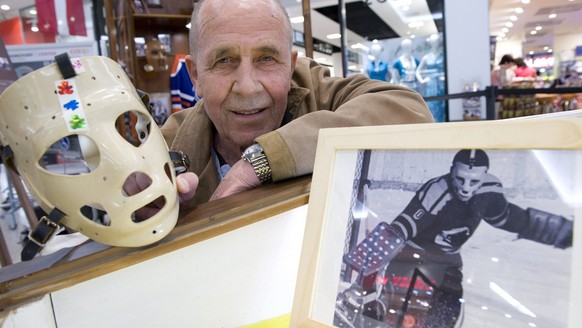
(134, 24)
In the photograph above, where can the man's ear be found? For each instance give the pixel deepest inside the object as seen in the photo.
(294, 55)
(193, 72)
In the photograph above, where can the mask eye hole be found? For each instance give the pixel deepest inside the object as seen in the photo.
(71, 155)
(95, 213)
(134, 127)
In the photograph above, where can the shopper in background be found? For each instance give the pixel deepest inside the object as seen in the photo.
(260, 99)
(503, 74)
(522, 70)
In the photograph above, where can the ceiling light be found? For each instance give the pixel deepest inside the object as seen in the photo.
(519, 10)
(34, 28)
(505, 30)
(5, 7)
(538, 28)
(360, 46)
(499, 38)
(525, 1)
(550, 50)
(334, 36)
(552, 16)
(546, 48)
(513, 18)
(32, 12)
(534, 32)
(531, 52)
(509, 24)
(297, 20)
(416, 24)
(189, 25)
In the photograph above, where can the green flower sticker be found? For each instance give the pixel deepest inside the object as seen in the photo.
(77, 122)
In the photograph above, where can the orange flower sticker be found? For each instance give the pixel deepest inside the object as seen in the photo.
(65, 88)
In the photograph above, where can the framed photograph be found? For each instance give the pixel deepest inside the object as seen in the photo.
(465, 224)
(160, 106)
(139, 7)
(154, 3)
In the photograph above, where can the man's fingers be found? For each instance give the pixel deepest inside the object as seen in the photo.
(187, 183)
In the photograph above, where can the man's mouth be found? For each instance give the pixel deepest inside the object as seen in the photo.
(249, 112)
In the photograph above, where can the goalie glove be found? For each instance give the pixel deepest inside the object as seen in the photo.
(548, 228)
(377, 250)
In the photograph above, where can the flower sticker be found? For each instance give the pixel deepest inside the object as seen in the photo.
(77, 122)
(65, 88)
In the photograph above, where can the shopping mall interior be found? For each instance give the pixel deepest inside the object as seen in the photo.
(472, 61)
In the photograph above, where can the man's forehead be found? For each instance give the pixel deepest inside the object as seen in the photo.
(464, 169)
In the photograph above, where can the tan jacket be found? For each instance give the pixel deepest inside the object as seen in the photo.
(315, 101)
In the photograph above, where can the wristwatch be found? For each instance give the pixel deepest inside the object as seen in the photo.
(180, 161)
(255, 156)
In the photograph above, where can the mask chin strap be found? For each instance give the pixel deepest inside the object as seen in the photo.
(48, 226)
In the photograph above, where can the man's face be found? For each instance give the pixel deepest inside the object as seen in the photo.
(243, 67)
(467, 180)
(156, 56)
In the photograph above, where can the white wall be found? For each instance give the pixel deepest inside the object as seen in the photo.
(564, 48)
(467, 49)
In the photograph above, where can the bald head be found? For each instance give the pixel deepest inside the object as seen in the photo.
(208, 10)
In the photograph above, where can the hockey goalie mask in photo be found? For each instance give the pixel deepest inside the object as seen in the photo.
(58, 132)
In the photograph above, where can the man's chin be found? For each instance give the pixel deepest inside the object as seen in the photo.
(463, 198)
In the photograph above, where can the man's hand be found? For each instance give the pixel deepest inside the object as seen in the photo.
(186, 183)
(241, 177)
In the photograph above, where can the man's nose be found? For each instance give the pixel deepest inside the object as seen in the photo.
(246, 82)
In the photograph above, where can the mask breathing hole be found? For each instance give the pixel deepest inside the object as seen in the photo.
(168, 171)
(71, 155)
(96, 214)
(136, 127)
(148, 211)
(136, 183)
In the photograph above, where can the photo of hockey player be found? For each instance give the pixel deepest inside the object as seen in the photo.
(415, 247)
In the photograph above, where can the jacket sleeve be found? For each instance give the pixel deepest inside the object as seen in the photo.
(335, 102)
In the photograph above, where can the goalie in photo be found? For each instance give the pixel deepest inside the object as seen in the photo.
(412, 264)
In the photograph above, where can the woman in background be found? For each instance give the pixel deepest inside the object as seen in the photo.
(522, 70)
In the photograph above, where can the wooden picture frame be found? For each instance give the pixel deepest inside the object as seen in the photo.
(371, 173)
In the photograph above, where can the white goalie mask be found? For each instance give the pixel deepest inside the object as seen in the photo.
(60, 128)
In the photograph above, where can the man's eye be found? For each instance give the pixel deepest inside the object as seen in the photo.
(224, 60)
(267, 58)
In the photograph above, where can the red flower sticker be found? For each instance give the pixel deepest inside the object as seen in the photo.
(65, 88)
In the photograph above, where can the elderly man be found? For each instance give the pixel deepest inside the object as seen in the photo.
(262, 106)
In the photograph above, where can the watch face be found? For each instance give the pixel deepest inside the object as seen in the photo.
(252, 150)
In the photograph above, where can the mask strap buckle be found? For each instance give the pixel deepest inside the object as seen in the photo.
(37, 238)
